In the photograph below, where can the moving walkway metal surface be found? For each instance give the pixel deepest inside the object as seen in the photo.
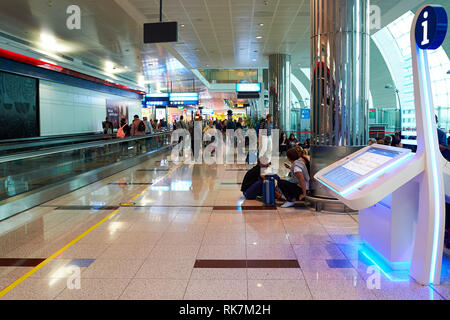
(32, 178)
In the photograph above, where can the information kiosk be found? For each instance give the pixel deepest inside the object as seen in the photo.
(401, 195)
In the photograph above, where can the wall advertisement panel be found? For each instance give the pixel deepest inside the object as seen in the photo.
(19, 113)
(117, 110)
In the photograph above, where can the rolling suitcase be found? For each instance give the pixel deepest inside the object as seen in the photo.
(269, 190)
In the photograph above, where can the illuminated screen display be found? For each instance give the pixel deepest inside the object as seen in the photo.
(184, 98)
(248, 87)
(157, 99)
(360, 166)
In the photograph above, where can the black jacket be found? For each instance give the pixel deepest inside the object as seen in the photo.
(252, 176)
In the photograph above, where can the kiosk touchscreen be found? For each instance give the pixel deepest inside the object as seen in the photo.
(370, 162)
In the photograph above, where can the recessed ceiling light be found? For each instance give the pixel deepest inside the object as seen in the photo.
(258, 37)
(182, 25)
(261, 24)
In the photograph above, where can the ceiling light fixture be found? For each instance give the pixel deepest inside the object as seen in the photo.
(259, 37)
(261, 24)
(182, 25)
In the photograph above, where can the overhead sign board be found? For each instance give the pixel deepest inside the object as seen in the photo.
(248, 87)
(157, 99)
(184, 98)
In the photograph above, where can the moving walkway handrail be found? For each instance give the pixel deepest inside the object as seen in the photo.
(33, 154)
(47, 142)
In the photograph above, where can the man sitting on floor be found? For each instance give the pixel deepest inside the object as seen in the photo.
(252, 185)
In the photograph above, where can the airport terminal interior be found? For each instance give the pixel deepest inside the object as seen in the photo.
(224, 150)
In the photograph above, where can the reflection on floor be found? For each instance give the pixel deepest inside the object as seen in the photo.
(181, 233)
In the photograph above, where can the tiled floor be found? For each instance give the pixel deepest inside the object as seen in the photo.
(148, 251)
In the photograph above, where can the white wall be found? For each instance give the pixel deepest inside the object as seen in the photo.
(66, 110)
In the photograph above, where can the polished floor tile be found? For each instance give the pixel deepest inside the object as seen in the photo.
(176, 269)
(351, 289)
(320, 270)
(219, 274)
(270, 252)
(278, 290)
(154, 289)
(174, 252)
(274, 274)
(37, 289)
(95, 289)
(216, 290)
(117, 269)
(214, 252)
(118, 251)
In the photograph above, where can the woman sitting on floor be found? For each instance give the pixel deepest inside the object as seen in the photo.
(295, 189)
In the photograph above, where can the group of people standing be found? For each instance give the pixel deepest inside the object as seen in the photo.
(221, 125)
(137, 128)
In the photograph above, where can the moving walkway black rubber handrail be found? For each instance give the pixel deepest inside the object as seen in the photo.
(47, 142)
(33, 154)
(62, 136)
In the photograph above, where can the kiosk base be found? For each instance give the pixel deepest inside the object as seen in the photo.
(391, 236)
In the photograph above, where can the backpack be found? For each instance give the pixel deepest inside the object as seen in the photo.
(121, 133)
(141, 127)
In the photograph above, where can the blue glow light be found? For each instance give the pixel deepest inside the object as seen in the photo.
(374, 257)
(434, 164)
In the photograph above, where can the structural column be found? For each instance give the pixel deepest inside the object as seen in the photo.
(280, 90)
(339, 80)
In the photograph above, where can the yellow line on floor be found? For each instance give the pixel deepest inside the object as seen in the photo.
(81, 236)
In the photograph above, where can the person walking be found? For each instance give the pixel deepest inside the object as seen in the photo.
(149, 128)
(138, 127)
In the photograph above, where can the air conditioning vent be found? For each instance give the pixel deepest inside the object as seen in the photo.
(263, 14)
(91, 66)
(15, 39)
(66, 57)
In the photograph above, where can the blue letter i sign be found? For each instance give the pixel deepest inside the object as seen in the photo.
(431, 27)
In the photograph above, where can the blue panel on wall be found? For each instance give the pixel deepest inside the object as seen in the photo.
(305, 114)
(36, 72)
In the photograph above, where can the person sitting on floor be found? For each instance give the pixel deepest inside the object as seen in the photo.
(253, 182)
(305, 157)
(296, 188)
(252, 185)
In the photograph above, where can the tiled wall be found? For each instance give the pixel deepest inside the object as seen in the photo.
(65, 109)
